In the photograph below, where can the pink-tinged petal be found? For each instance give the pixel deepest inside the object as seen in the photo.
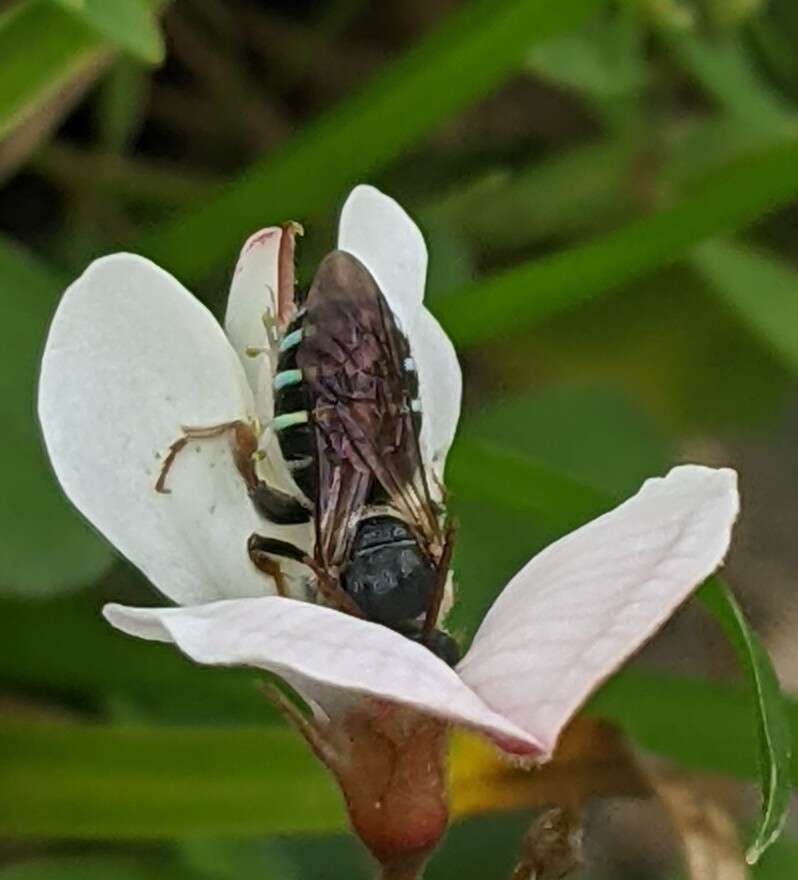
(253, 298)
(580, 608)
(324, 654)
(440, 388)
(375, 228)
(251, 308)
(131, 357)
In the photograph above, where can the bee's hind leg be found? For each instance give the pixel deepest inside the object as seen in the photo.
(261, 551)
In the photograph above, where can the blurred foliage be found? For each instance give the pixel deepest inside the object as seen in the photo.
(609, 192)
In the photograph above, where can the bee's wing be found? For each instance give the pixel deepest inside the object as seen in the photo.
(343, 490)
(353, 358)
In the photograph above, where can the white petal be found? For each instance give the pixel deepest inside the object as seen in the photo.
(131, 356)
(440, 388)
(574, 613)
(253, 296)
(376, 229)
(324, 653)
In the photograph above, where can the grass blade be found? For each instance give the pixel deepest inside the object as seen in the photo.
(466, 58)
(129, 24)
(775, 736)
(724, 201)
(762, 290)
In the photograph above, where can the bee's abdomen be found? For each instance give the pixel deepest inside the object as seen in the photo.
(292, 405)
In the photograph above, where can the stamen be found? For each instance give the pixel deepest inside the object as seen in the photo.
(288, 420)
(409, 364)
(291, 340)
(415, 405)
(287, 377)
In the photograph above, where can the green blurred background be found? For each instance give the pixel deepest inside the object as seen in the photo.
(609, 191)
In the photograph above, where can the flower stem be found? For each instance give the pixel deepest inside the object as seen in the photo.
(411, 869)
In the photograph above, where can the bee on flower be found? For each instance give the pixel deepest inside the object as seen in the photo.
(281, 481)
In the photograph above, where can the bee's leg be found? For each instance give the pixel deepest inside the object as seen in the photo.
(261, 551)
(436, 600)
(277, 506)
(189, 434)
(331, 589)
(260, 548)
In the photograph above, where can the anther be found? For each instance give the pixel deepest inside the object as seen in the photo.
(415, 405)
(409, 364)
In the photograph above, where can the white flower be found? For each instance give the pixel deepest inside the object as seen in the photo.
(132, 356)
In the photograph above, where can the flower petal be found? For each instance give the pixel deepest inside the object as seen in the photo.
(376, 229)
(440, 388)
(322, 653)
(253, 299)
(131, 357)
(253, 296)
(580, 608)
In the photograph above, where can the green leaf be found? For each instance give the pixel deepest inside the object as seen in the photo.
(726, 72)
(129, 24)
(593, 434)
(236, 859)
(761, 289)
(505, 211)
(101, 782)
(65, 49)
(122, 104)
(44, 545)
(478, 468)
(97, 868)
(724, 201)
(592, 439)
(132, 783)
(153, 680)
(775, 737)
(781, 862)
(602, 60)
(471, 54)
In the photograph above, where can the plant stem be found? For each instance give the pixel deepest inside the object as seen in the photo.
(406, 870)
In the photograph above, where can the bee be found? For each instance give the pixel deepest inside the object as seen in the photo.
(347, 417)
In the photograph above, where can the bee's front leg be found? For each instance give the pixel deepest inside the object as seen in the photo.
(189, 434)
(277, 506)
